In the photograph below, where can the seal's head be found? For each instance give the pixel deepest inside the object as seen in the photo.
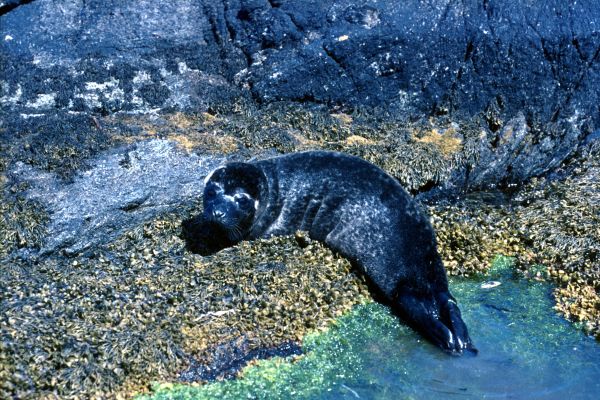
(232, 195)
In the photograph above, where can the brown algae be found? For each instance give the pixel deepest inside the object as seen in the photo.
(140, 309)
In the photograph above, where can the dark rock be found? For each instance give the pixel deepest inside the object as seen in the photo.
(9, 5)
(114, 57)
(457, 56)
(518, 152)
(592, 137)
(231, 357)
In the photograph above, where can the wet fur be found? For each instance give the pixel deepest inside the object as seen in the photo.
(357, 210)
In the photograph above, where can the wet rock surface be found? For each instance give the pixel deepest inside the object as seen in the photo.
(144, 309)
(231, 357)
(529, 70)
(123, 189)
(551, 227)
(443, 55)
(93, 295)
(90, 302)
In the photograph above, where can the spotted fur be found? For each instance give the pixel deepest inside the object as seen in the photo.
(357, 210)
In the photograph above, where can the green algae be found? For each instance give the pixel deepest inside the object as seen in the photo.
(331, 358)
(526, 351)
(502, 265)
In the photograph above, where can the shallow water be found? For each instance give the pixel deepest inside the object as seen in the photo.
(526, 351)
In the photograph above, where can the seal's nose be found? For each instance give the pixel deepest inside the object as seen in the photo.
(218, 214)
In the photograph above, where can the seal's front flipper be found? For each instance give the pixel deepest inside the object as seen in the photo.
(437, 318)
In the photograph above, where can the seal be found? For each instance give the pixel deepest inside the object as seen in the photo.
(352, 206)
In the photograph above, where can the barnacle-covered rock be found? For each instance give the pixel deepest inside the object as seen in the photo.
(561, 219)
(137, 306)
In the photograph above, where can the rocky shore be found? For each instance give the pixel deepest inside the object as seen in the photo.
(90, 302)
(112, 114)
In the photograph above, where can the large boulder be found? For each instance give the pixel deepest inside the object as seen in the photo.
(443, 56)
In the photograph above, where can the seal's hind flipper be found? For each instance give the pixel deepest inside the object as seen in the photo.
(451, 317)
(437, 318)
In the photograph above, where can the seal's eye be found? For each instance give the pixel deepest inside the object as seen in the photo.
(243, 201)
(210, 193)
